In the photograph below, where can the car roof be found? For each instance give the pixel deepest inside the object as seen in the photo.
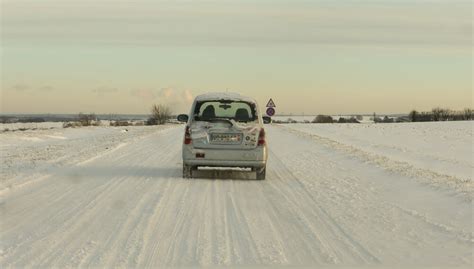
(224, 96)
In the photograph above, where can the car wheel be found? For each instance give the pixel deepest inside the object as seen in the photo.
(261, 173)
(187, 171)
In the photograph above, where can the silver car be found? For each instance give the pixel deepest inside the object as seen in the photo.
(224, 130)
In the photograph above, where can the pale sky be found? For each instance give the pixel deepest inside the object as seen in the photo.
(313, 57)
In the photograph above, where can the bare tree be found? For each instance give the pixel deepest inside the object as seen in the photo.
(160, 114)
(323, 119)
(446, 114)
(467, 114)
(436, 112)
(86, 119)
(413, 115)
(440, 113)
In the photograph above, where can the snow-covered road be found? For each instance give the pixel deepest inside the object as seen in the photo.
(320, 205)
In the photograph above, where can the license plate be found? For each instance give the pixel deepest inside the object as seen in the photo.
(226, 138)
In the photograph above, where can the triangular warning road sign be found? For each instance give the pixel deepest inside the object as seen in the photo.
(271, 103)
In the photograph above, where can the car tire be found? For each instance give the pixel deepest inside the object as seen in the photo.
(187, 171)
(261, 173)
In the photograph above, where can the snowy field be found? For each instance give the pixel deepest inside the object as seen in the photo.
(441, 152)
(368, 195)
(30, 125)
(24, 126)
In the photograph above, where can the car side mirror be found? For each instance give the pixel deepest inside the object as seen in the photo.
(183, 118)
(267, 120)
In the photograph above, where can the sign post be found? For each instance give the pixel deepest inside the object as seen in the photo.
(271, 108)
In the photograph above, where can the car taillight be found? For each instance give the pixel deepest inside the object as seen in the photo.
(187, 136)
(261, 137)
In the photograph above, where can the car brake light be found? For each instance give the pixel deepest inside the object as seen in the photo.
(261, 137)
(187, 136)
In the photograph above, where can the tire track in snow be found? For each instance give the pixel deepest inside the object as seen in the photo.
(65, 215)
(355, 198)
(79, 212)
(135, 150)
(153, 231)
(32, 253)
(328, 231)
(132, 230)
(246, 248)
(166, 221)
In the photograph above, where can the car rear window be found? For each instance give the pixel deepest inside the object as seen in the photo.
(237, 110)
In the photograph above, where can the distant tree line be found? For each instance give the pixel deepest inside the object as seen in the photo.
(159, 114)
(324, 119)
(83, 120)
(121, 123)
(387, 119)
(441, 114)
(8, 119)
(329, 119)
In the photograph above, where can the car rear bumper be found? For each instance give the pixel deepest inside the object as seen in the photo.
(254, 158)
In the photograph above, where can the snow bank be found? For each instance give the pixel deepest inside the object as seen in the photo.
(442, 147)
(31, 152)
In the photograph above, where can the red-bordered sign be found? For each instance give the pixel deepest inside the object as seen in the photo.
(271, 103)
(270, 112)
